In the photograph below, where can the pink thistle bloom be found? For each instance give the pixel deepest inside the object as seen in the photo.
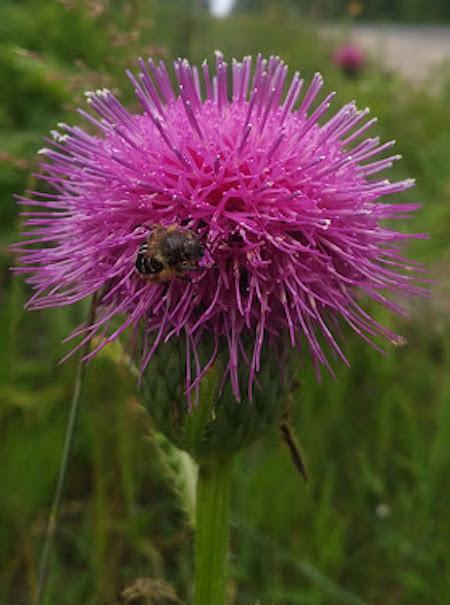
(349, 58)
(285, 202)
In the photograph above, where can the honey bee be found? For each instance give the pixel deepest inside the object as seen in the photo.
(169, 252)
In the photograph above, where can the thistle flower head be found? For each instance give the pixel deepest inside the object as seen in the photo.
(286, 203)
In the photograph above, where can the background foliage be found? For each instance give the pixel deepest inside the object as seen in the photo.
(387, 10)
(373, 524)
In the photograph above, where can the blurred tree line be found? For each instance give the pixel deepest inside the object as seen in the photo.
(393, 10)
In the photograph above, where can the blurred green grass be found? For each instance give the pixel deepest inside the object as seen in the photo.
(373, 525)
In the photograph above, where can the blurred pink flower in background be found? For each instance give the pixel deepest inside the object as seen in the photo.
(350, 58)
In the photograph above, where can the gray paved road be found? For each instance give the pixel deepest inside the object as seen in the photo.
(413, 50)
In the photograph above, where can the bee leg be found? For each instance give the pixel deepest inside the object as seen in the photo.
(186, 276)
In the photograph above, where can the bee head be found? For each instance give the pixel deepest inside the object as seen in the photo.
(193, 249)
(182, 246)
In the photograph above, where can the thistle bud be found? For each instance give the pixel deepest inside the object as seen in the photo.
(208, 421)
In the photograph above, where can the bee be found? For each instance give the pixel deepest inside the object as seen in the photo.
(169, 252)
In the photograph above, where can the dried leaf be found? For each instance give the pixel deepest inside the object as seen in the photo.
(145, 591)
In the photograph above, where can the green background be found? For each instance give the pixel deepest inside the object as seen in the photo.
(373, 524)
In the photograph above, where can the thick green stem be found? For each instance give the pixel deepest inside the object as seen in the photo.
(212, 532)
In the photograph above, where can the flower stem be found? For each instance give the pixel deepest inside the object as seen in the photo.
(212, 531)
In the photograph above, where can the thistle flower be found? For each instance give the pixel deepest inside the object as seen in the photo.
(284, 201)
(350, 58)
